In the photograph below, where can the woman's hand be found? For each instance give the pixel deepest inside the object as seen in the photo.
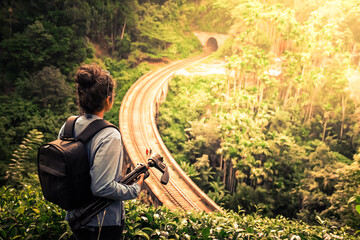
(141, 179)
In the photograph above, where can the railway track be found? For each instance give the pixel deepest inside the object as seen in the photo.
(139, 132)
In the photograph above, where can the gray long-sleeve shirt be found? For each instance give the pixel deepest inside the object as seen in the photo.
(105, 153)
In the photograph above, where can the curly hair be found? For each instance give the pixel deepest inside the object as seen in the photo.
(93, 86)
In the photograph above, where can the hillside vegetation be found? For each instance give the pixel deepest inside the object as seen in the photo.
(280, 155)
(43, 42)
(280, 131)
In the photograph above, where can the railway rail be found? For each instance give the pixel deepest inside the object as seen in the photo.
(139, 132)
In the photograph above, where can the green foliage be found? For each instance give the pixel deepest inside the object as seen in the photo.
(142, 31)
(345, 187)
(287, 141)
(24, 159)
(202, 16)
(358, 202)
(225, 49)
(143, 222)
(265, 155)
(200, 172)
(20, 116)
(48, 88)
(41, 44)
(203, 140)
(284, 144)
(163, 31)
(190, 171)
(25, 215)
(218, 193)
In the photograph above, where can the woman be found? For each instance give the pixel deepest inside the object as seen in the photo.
(95, 93)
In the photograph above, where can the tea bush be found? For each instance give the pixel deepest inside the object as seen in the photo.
(25, 214)
(144, 222)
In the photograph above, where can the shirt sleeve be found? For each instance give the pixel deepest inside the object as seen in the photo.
(106, 169)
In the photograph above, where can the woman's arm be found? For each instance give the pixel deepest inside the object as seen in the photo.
(107, 167)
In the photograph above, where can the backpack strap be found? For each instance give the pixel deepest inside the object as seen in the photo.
(69, 127)
(93, 128)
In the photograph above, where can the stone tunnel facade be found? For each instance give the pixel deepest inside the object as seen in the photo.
(211, 41)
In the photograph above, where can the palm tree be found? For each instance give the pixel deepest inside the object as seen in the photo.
(327, 109)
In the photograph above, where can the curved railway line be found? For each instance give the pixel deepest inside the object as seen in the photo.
(139, 132)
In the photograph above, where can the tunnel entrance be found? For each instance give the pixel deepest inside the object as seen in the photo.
(211, 45)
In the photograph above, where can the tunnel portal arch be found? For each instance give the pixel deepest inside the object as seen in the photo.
(212, 45)
(211, 41)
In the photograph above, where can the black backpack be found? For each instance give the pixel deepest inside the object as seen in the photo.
(63, 166)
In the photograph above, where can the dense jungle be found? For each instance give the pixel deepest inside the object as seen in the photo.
(274, 141)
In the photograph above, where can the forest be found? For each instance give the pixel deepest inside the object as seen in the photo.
(283, 143)
(280, 154)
